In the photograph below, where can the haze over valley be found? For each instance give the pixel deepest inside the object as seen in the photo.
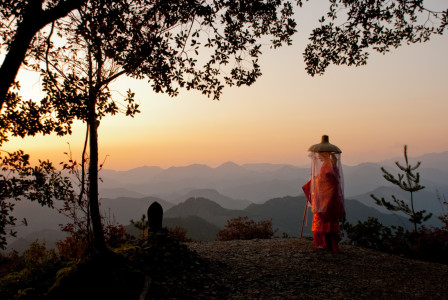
(201, 198)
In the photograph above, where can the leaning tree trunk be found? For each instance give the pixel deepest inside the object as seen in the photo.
(14, 57)
(34, 19)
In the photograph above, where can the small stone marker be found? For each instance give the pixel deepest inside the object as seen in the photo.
(155, 216)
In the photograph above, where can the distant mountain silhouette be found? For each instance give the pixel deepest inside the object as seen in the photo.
(38, 217)
(203, 208)
(133, 176)
(119, 192)
(423, 199)
(203, 218)
(357, 211)
(362, 178)
(50, 236)
(258, 183)
(259, 192)
(237, 182)
(428, 160)
(213, 195)
(265, 167)
(124, 209)
(197, 228)
(286, 213)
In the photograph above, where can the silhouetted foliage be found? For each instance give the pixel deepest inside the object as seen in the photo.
(20, 21)
(165, 42)
(242, 228)
(159, 41)
(179, 233)
(444, 215)
(370, 26)
(141, 225)
(79, 241)
(28, 276)
(20, 118)
(19, 180)
(409, 182)
(430, 244)
(369, 234)
(107, 276)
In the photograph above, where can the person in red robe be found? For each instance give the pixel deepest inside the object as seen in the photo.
(325, 193)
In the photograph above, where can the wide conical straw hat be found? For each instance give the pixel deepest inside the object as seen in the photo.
(324, 146)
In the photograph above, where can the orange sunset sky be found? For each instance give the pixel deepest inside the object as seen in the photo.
(369, 112)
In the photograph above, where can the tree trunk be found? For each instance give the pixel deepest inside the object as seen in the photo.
(16, 54)
(95, 216)
(413, 213)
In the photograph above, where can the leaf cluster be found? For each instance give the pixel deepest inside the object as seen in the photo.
(168, 42)
(162, 41)
(377, 25)
(19, 180)
(17, 14)
(21, 118)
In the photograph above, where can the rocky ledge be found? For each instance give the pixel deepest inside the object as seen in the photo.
(292, 269)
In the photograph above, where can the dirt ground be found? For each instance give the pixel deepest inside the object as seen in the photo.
(293, 269)
(290, 269)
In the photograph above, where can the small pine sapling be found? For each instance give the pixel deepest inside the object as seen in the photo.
(141, 225)
(409, 182)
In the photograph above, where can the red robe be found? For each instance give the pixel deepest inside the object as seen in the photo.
(327, 203)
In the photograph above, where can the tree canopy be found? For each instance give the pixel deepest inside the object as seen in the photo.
(173, 44)
(374, 25)
(204, 45)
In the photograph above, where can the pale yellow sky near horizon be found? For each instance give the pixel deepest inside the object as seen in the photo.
(369, 112)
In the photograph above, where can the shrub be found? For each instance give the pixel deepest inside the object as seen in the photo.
(9, 262)
(142, 226)
(369, 234)
(429, 244)
(422, 243)
(116, 235)
(30, 274)
(72, 247)
(77, 244)
(179, 233)
(242, 228)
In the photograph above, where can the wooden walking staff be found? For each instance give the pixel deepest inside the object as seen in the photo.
(307, 190)
(323, 146)
(304, 218)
